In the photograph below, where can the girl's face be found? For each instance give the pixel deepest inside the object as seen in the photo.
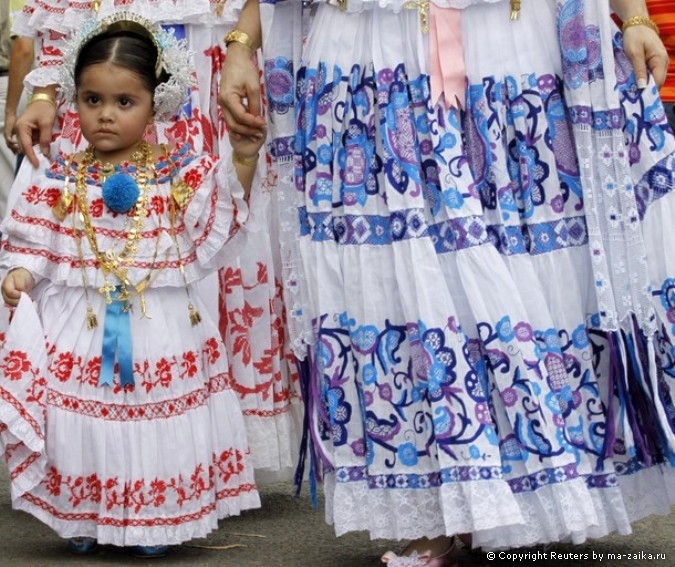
(114, 107)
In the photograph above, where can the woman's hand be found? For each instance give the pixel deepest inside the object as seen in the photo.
(35, 126)
(641, 43)
(10, 138)
(16, 281)
(647, 53)
(239, 95)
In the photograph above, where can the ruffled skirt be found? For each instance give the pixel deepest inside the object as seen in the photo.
(159, 463)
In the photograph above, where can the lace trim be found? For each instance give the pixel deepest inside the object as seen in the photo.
(497, 518)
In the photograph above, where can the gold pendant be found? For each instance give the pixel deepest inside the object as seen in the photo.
(106, 289)
(423, 7)
(144, 307)
(61, 208)
(181, 193)
(515, 10)
(92, 321)
(195, 317)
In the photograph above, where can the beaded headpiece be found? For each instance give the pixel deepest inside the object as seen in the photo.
(173, 57)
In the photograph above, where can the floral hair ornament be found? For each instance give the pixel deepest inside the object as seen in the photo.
(173, 57)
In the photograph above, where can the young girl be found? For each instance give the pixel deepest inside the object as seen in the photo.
(117, 415)
(247, 291)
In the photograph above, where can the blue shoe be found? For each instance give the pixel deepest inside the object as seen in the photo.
(150, 551)
(82, 545)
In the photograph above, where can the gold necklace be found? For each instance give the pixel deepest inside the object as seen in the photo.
(119, 264)
(110, 261)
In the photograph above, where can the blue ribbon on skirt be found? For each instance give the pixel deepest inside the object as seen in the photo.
(116, 344)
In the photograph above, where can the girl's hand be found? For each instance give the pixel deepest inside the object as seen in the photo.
(16, 281)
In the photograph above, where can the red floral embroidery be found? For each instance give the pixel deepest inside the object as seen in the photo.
(240, 321)
(193, 178)
(229, 279)
(70, 128)
(52, 197)
(96, 208)
(139, 494)
(62, 367)
(93, 488)
(158, 492)
(53, 482)
(164, 372)
(92, 371)
(35, 195)
(189, 363)
(212, 352)
(157, 205)
(16, 364)
(177, 133)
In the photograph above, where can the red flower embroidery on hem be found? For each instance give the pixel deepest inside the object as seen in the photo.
(16, 364)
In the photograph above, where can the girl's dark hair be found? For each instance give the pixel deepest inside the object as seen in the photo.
(131, 51)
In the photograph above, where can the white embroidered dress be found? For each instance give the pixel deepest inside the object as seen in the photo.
(252, 316)
(157, 463)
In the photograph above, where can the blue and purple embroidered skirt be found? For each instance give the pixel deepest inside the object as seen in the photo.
(490, 292)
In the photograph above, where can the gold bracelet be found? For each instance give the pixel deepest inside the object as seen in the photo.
(42, 97)
(243, 160)
(640, 21)
(239, 36)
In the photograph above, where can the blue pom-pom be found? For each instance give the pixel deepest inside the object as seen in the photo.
(120, 192)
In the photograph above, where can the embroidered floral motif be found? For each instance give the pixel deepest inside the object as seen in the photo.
(137, 495)
(15, 365)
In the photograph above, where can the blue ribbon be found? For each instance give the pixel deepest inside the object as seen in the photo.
(116, 344)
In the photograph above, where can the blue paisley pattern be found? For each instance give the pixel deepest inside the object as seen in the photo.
(450, 350)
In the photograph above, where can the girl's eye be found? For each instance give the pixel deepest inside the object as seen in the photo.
(125, 102)
(92, 99)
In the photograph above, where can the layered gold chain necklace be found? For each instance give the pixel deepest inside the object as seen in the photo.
(118, 263)
(110, 261)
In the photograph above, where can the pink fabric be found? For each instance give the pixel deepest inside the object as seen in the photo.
(446, 56)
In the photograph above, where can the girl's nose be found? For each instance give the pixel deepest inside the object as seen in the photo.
(106, 114)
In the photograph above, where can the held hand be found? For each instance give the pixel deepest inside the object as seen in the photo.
(239, 96)
(646, 52)
(10, 137)
(16, 281)
(247, 146)
(35, 126)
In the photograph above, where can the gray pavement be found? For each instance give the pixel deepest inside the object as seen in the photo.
(288, 532)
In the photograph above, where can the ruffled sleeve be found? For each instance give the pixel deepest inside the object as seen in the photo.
(218, 218)
(32, 237)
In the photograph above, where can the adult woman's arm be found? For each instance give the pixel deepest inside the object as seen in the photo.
(642, 44)
(35, 124)
(239, 96)
(20, 61)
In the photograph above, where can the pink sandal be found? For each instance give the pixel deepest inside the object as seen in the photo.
(438, 552)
